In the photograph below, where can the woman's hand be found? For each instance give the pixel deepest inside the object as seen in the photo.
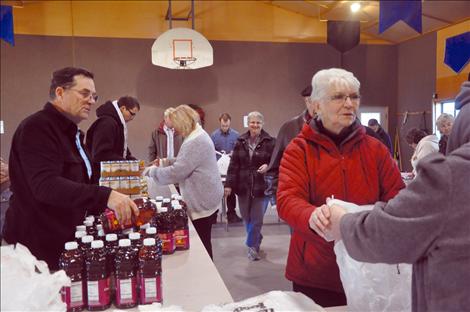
(263, 168)
(227, 191)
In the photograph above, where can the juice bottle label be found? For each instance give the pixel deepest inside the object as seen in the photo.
(181, 239)
(126, 291)
(98, 292)
(73, 295)
(151, 289)
(168, 242)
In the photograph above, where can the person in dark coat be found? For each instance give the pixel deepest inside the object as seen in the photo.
(245, 177)
(107, 137)
(50, 172)
(383, 136)
(289, 130)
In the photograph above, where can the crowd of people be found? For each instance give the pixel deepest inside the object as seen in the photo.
(325, 151)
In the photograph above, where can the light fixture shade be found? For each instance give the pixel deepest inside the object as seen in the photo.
(182, 48)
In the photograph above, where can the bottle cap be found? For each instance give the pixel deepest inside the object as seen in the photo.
(87, 239)
(145, 226)
(166, 200)
(97, 244)
(159, 198)
(174, 196)
(80, 228)
(134, 235)
(99, 227)
(88, 223)
(71, 245)
(177, 207)
(124, 242)
(127, 231)
(90, 218)
(80, 234)
(163, 209)
(151, 230)
(111, 237)
(149, 241)
(101, 233)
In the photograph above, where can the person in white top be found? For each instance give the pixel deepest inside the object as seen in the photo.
(423, 145)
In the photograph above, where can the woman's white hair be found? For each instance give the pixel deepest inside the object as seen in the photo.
(255, 114)
(443, 118)
(324, 79)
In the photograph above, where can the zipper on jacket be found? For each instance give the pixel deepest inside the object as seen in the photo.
(343, 170)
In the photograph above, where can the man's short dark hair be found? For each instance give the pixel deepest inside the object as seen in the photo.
(372, 122)
(414, 135)
(65, 78)
(307, 91)
(129, 102)
(225, 117)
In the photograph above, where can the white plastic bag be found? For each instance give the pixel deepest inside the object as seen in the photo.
(223, 163)
(25, 289)
(271, 301)
(373, 287)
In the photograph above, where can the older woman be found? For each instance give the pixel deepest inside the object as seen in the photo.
(444, 124)
(422, 144)
(245, 177)
(197, 174)
(332, 156)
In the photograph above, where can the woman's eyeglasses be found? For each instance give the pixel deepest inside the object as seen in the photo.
(343, 97)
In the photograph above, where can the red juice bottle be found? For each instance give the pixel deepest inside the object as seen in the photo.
(150, 273)
(165, 228)
(98, 296)
(85, 246)
(71, 261)
(181, 231)
(151, 232)
(111, 247)
(126, 282)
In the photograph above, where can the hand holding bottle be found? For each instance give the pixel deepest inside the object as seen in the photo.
(123, 207)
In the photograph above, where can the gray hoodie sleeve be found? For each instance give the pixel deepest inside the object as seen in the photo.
(405, 228)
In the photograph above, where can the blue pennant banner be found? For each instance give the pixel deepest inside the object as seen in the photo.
(6, 24)
(458, 51)
(408, 11)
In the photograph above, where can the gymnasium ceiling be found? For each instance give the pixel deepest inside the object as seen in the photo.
(274, 21)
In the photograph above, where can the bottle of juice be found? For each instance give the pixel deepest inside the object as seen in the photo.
(111, 247)
(150, 273)
(98, 296)
(71, 261)
(165, 228)
(111, 223)
(152, 233)
(181, 232)
(86, 244)
(126, 283)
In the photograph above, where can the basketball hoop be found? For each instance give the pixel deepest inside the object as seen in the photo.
(183, 61)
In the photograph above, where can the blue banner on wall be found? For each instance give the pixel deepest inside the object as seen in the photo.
(408, 11)
(6, 24)
(458, 51)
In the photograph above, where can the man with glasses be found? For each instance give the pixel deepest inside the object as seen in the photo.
(50, 172)
(107, 137)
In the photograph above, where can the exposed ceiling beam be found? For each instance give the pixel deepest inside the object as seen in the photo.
(437, 18)
(16, 4)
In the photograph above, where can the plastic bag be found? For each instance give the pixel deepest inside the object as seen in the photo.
(270, 301)
(27, 284)
(223, 162)
(372, 286)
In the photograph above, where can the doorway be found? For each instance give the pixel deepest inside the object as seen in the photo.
(377, 112)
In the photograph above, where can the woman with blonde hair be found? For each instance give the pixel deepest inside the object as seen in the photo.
(196, 172)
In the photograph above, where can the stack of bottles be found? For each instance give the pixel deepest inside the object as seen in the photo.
(121, 263)
(124, 176)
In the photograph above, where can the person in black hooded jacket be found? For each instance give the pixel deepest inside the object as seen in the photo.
(106, 139)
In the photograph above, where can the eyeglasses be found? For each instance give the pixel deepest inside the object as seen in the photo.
(131, 112)
(343, 97)
(85, 94)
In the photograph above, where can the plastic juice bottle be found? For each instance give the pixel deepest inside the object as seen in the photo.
(86, 244)
(111, 247)
(166, 203)
(165, 229)
(71, 261)
(78, 237)
(181, 232)
(98, 296)
(150, 273)
(90, 228)
(126, 282)
(152, 233)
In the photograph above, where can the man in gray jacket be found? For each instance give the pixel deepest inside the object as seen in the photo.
(426, 224)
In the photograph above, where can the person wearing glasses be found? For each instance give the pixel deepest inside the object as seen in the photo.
(331, 156)
(106, 138)
(50, 172)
